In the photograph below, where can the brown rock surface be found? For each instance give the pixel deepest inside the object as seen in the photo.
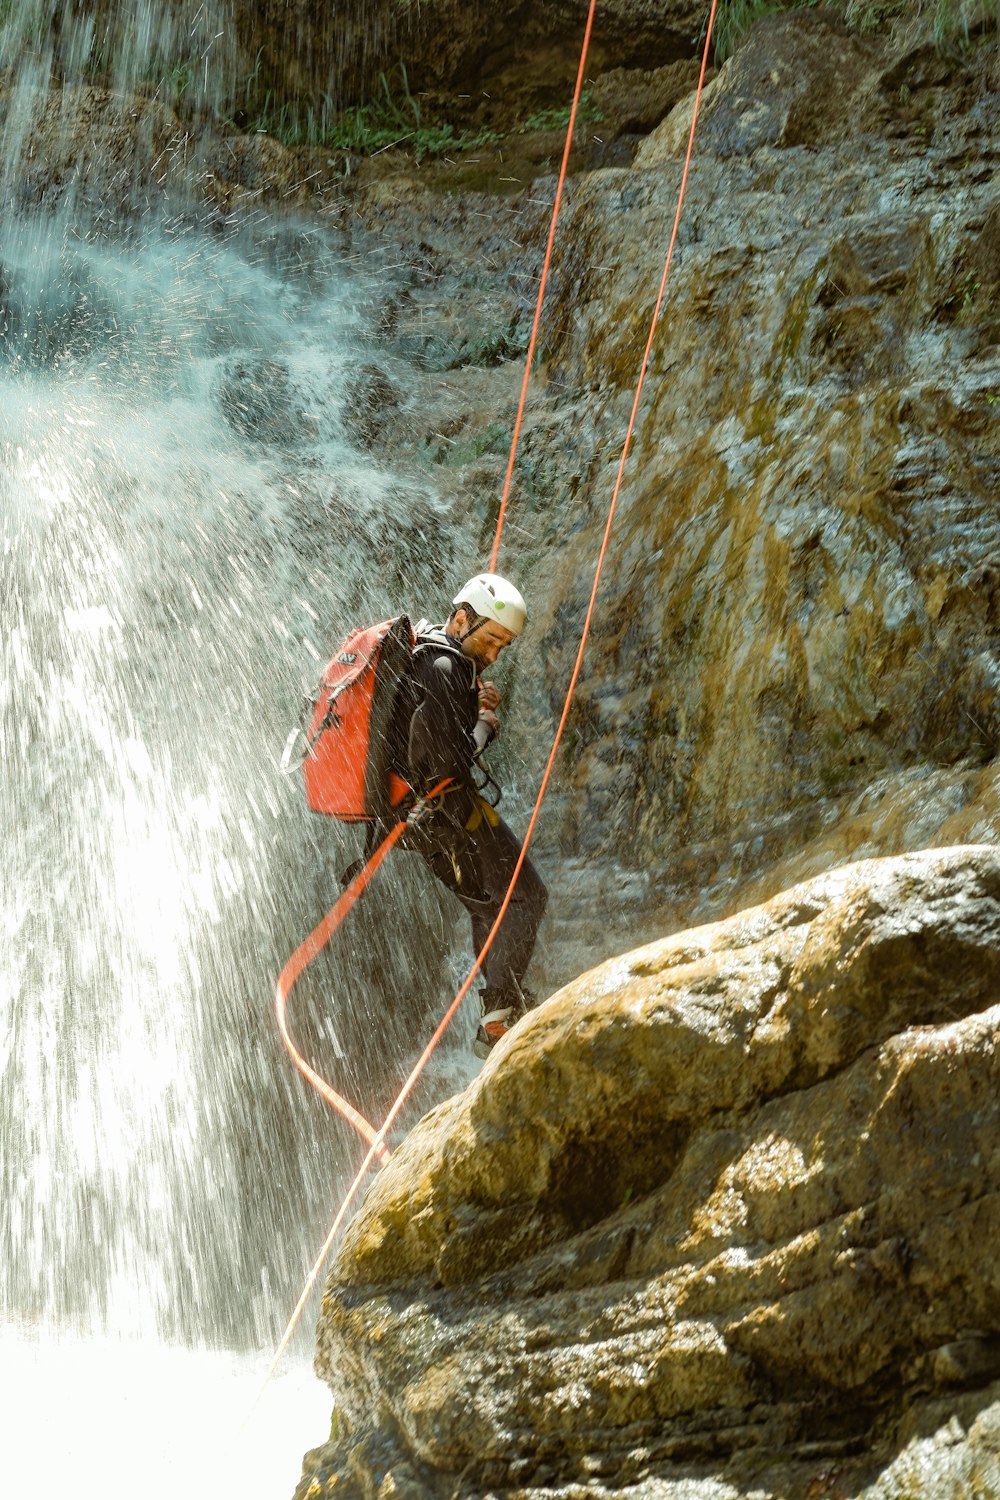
(797, 616)
(794, 659)
(495, 56)
(636, 99)
(720, 1218)
(122, 156)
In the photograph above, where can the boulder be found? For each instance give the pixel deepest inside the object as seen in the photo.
(720, 1217)
(635, 100)
(794, 82)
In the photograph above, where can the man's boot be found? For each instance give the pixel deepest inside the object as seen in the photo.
(501, 1011)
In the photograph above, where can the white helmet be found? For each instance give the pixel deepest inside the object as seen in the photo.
(496, 599)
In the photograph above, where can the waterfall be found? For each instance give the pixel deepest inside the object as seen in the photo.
(186, 531)
(181, 50)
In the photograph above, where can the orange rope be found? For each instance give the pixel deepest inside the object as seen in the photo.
(407, 1088)
(323, 932)
(304, 955)
(533, 341)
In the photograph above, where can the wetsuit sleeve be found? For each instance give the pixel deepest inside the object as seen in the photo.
(441, 740)
(482, 734)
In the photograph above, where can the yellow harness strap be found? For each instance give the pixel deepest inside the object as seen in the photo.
(482, 809)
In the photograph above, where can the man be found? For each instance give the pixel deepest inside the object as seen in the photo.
(447, 718)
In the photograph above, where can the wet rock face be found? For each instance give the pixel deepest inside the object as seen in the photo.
(795, 656)
(635, 100)
(257, 400)
(794, 84)
(454, 48)
(726, 1205)
(798, 599)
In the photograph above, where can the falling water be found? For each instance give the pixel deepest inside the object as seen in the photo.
(183, 529)
(183, 49)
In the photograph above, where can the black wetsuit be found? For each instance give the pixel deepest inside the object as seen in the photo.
(437, 738)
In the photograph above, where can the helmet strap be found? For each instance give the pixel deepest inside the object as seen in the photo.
(478, 621)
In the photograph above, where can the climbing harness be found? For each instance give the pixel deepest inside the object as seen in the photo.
(376, 1142)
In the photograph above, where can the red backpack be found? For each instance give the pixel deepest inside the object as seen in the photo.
(348, 739)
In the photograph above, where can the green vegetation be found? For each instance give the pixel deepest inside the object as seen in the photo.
(953, 20)
(393, 118)
(25, 27)
(494, 438)
(949, 23)
(558, 119)
(173, 79)
(340, 1427)
(361, 134)
(960, 303)
(179, 78)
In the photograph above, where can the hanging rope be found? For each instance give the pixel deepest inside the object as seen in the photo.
(321, 934)
(304, 955)
(543, 283)
(446, 1019)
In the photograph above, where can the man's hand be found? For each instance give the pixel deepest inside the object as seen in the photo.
(489, 698)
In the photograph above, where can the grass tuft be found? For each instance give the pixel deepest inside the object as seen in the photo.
(951, 24)
(558, 119)
(393, 118)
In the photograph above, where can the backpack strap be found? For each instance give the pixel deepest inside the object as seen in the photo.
(374, 834)
(428, 638)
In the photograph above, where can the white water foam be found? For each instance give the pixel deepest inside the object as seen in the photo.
(107, 1420)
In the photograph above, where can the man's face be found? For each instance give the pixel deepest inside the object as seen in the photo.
(485, 642)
